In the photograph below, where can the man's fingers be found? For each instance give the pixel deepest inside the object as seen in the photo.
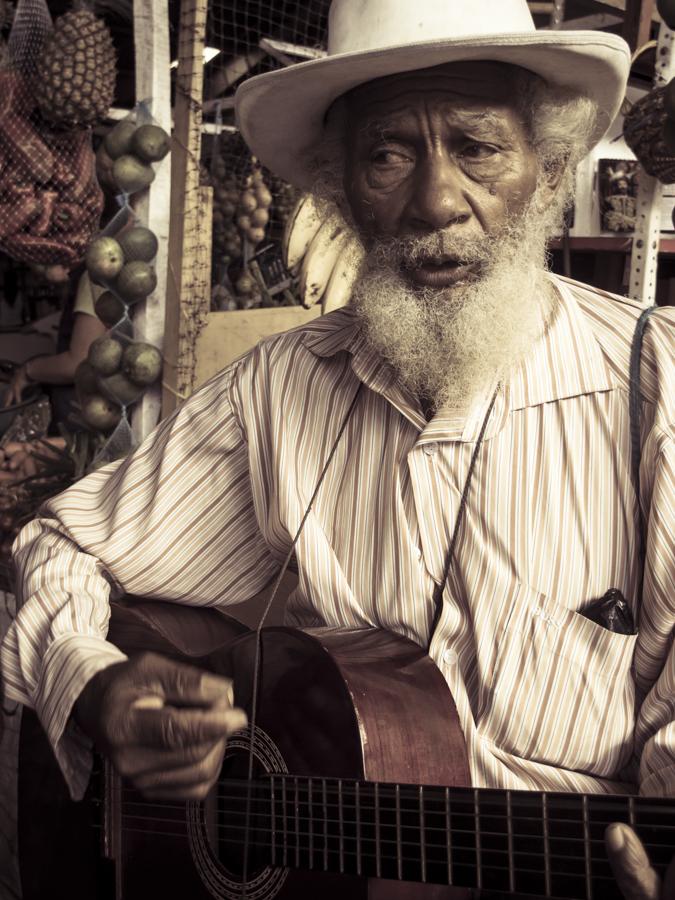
(630, 864)
(134, 761)
(183, 685)
(170, 728)
(185, 783)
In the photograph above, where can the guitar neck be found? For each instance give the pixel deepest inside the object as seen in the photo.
(525, 842)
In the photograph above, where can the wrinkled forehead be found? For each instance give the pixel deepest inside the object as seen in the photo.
(476, 84)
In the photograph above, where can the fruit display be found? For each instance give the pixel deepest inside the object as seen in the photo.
(129, 150)
(50, 200)
(76, 71)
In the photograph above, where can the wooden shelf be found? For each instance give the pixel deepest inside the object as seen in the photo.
(609, 243)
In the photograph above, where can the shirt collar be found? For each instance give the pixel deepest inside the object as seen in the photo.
(565, 362)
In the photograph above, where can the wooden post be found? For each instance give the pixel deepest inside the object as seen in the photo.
(637, 22)
(153, 84)
(187, 295)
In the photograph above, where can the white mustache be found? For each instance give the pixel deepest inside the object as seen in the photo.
(412, 251)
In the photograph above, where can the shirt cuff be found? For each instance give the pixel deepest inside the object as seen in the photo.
(70, 662)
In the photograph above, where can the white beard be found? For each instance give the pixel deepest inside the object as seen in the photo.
(449, 346)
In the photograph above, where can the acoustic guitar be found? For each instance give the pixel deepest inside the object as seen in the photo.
(360, 789)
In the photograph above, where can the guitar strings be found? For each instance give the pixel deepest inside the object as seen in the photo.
(346, 822)
(641, 809)
(279, 829)
(294, 851)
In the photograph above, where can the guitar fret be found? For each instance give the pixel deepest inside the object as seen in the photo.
(399, 848)
(587, 848)
(378, 849)
(423, 849)
(341, 826)
(509, 835)
(284, 815)
(547, 846)
(448, 838)
(357, 801)
(631, 812)
(476, 814)
(310, 823)
(297, 823)
(325, 824)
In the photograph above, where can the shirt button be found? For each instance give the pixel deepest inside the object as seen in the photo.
(450, 657)
(431, 449)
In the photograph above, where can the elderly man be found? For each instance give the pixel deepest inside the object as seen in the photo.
(461, 367)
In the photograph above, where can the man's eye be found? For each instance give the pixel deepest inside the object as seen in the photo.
(388, 158)
(477, 150)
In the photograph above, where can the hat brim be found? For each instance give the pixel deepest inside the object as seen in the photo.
(281, 114)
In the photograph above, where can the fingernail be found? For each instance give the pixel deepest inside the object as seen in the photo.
(615, 838)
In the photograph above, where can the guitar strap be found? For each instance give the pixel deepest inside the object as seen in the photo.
(634, 407)
(635, 431)
(440, 587)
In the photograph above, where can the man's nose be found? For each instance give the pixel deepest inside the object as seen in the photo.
(439, 197)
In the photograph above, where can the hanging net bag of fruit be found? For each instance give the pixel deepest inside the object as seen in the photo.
(121, 365)
(56, 82)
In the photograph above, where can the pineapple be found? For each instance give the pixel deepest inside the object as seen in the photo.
(76, 73)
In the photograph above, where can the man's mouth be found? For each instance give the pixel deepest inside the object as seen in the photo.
(441, 272)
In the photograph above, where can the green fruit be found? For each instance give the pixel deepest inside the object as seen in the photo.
(666, 10)
(120, 389)
(104, 260)
(142, 363)
(110, 309)
(100, 413)
(117, 141)
(138, 243)
(669, 135)
(105, 355)
(132, 174)
(136, 280)
(150, 143)
(85, 378)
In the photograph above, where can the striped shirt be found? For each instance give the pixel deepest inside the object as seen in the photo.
(204, 511)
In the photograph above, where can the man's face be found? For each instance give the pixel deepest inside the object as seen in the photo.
(440, 150)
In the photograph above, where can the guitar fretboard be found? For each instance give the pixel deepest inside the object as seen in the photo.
(549, 845)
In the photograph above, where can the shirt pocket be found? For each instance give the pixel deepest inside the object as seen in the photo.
(562, 692)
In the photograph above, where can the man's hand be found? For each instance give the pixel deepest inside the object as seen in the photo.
(162, 724)
(17, 386)
(632, 869)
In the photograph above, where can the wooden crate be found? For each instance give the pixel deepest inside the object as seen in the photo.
(227, 335)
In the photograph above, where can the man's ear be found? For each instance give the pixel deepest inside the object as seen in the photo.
(553, 175)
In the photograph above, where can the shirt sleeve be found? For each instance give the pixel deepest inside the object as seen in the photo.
(655, 657)
(175, 520)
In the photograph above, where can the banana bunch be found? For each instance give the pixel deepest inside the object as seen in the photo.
(326, 255)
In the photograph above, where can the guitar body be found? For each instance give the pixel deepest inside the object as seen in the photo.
(360, 704)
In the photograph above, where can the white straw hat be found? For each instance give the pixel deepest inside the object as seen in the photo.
(281, 114)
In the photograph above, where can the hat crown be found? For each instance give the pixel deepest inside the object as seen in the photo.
(362, 25)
